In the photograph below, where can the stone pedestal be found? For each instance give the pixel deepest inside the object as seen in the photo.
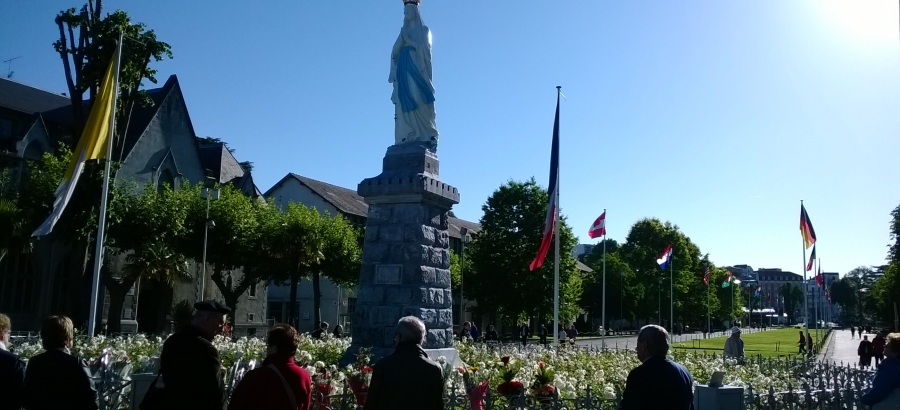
(405, 259)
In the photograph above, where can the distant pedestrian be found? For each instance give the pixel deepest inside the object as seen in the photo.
(491, 334)
(852, 331)
(571, 333)
(801, 343)
(524, 333)
(55, 379)
(476, 334)
(542, 332)
(12, 370)
(338, 332)
(561, 335)
(734, 345)
(278, 383)
(809, 343)
(321, 331)
(864, 351)
(878, 344)
(465, 333)
(407, 379)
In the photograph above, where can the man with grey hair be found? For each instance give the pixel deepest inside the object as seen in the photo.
(407, 379)
(658, 383)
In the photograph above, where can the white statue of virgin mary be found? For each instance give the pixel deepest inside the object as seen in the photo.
(413, 95)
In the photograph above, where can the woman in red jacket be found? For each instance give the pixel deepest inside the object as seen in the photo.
(279, 383)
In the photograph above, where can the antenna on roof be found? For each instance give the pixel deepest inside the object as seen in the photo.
(9, 71)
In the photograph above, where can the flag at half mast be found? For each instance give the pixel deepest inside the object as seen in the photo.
(91, 145)
(553, 201)
(806, 228)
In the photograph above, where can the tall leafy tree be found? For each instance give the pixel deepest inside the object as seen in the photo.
(645, 242)
(295, 245)
(622, 287)
(87, 41)
(792, 296)
(340, 261)
(144, 226)
(231, 240)
(511, 231)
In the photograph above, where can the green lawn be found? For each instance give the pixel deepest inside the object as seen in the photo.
(771, 343)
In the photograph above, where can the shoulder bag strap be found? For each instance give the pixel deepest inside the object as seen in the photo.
(284, 383)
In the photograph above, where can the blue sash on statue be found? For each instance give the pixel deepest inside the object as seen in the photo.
(413, 89)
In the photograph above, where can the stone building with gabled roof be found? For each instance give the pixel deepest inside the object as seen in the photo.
(160, 147)
(336, 304)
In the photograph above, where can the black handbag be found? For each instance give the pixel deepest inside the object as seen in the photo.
(155, 398)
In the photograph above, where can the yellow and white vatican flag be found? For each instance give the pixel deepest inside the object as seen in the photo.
(91, 145)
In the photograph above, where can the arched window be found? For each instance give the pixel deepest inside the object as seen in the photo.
(166, 177)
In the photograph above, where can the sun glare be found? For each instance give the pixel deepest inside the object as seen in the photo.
(863, 21)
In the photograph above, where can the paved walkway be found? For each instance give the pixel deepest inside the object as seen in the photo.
(841, 348)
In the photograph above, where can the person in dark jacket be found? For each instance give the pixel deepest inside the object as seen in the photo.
(885, 389)
(55, 379)
(658, 383)
(407, 379)
(321, 331)
(190, 368)
(262, 388)
(12, 370)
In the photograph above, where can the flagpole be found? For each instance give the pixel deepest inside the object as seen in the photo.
(708, 328)
(671, 292)
(101, 223)
(816, 306)
(603, 315)
(556, 241)
(805, 286)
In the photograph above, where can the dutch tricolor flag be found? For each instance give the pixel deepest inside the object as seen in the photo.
(665, 258)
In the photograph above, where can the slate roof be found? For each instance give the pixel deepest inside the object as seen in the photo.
(25, 98)
(347, 201)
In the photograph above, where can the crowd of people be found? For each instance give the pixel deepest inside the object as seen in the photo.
(191, 375)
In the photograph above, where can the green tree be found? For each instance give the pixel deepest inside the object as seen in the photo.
(87, 42)
(231, 240)
(340, 259)
(792, 296)
(645, 242)
(295, 245)
(144, 226)
(845, 292)
(511, 232)
(622, 288)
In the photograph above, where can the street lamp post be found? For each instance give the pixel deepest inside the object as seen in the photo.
(209, 194)
(463, 237)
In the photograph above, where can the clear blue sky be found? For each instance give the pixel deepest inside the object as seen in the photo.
(719, 116)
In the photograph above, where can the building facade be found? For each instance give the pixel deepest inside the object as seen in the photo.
(159, 147)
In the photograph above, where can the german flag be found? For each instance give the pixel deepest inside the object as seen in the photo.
(806, 228)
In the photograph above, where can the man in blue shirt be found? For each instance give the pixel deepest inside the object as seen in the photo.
(658, 383)
(886, 385)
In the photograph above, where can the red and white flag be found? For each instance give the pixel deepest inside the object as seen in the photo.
(598, 229)
(706, 276)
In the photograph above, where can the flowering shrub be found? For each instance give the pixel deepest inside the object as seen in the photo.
(359, 374)
(543, 376)
(511, 366)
